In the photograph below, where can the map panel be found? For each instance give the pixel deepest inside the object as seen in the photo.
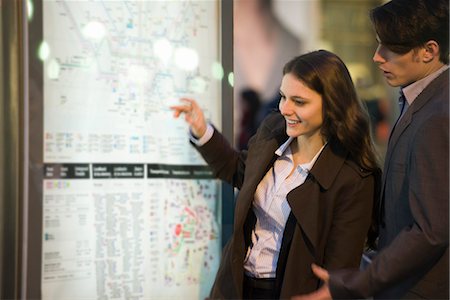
(130, 209)
(114, 68)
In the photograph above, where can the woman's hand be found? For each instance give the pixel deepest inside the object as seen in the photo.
(193, 115)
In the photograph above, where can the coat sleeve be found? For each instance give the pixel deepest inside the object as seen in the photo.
(421, 244)
(226, 163)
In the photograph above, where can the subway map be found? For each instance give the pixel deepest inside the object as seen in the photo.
(112, 70)
(128, 212)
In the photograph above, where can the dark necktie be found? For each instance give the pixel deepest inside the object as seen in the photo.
(401, 103)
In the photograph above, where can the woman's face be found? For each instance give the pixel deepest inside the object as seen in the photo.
(301, 107)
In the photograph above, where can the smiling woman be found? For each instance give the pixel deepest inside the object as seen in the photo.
(322, 75)
(302, 108)
(307, 183)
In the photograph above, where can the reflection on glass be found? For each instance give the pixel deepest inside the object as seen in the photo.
(217, 70)
(198, 85)
(30, 10)
(138, 74)
(43, 51)
(94, 30)
(231, 79)
(163, 50)
(186, 58)
(53, 69)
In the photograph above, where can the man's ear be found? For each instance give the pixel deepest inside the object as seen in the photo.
(430, 51)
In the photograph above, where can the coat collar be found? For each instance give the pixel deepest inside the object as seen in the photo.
(327, 165)
(305, 199)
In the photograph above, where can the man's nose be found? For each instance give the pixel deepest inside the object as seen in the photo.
(377, 58)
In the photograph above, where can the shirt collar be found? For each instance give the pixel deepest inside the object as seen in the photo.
(414, 89)
(285, 146)
(309, 165)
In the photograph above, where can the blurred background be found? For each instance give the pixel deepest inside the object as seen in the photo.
(268, 33)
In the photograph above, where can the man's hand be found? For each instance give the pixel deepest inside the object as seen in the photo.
(321, 273)
(321, 294)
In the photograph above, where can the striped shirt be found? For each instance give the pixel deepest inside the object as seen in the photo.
(272, 210)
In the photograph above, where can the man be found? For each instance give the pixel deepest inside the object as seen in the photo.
(412, 261)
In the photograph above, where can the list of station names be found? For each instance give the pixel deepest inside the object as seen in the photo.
(122, 230)
(123, 171)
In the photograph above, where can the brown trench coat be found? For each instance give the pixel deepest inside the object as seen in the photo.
(331, 211)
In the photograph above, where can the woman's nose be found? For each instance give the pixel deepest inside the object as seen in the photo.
(285, 107)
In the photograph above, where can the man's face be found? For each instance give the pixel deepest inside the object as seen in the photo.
(399, 69)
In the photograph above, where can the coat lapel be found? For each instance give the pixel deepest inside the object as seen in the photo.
(396, 133)
(261, 158)
(406, 120)
(305, 200)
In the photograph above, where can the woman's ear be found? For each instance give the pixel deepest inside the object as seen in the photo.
(430, 51)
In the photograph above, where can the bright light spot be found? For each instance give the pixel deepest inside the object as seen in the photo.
(186, 59)
(217, 71)
(137, 74)
(53, 69)
(94, 30)
(171, 102)
(163, 50)
(30, 9)
(231, 79)
(43, 51)
(198, 85)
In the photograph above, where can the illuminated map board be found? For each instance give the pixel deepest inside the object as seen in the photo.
(129, 208)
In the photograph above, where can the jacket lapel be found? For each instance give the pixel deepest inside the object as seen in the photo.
(262, 154)
(260, 158)
(397, 132)
(305, 199)
(406, 120)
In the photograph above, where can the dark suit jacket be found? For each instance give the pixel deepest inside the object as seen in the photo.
(413, 261)
(331, 211)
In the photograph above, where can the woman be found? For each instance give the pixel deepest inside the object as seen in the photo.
(307, 183)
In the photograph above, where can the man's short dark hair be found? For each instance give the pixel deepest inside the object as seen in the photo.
(403, 25)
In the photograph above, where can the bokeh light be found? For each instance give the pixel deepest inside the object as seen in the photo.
(217, 71)
(94, 30)
(43, 51)
(186, 58)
